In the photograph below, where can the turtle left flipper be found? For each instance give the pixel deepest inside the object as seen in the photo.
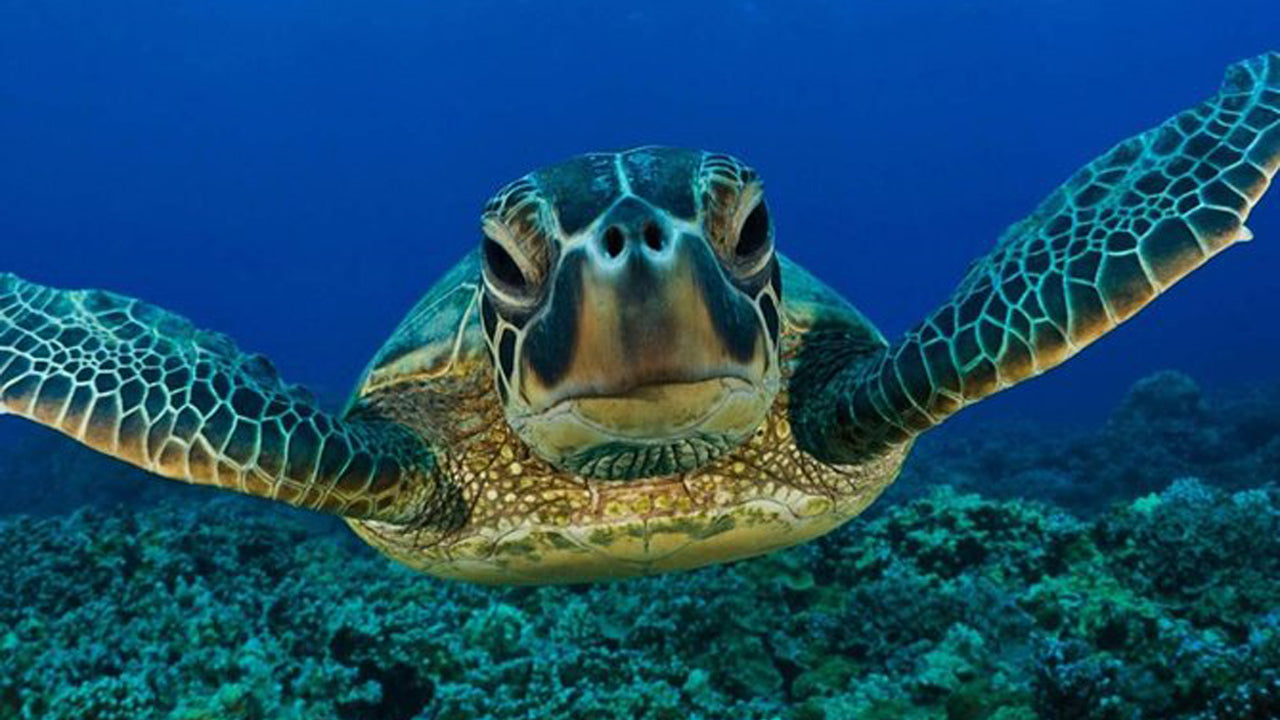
(141, 384)
(1117, 234)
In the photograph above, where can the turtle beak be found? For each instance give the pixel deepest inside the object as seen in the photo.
(640, 311)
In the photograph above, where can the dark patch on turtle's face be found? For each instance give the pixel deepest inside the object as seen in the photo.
(631, 305)
(550, 344)
(661, 176)
(771, 320)
(580, 189)
(733, 314)
(611, 329)
(507, 354)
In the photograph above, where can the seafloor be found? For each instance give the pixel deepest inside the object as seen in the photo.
(1143, 581)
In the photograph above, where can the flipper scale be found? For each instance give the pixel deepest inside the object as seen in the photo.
(144, 385)
(1119, 232)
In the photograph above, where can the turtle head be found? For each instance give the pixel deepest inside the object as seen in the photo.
(631, 305)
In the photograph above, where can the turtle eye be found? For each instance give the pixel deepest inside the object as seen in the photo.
(502, 267)
(753, 238)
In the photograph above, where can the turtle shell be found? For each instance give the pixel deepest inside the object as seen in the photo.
(529, 522)
(441, 330)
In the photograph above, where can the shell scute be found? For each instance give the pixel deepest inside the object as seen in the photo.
(441, 330)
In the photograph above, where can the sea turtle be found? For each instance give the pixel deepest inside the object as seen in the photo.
(625, 377)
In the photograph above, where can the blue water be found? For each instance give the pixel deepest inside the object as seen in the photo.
(296, 173)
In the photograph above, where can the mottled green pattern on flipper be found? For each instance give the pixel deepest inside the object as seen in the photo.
(1121, 231)
(133, 381)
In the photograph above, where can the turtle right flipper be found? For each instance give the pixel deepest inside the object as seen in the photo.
(1121, 231)
(141, 384)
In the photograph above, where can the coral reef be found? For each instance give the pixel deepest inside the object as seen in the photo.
(1165, 428)
(950, 605)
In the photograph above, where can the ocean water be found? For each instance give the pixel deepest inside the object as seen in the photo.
(297, 174)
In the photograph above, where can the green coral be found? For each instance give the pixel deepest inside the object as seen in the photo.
(1165, 428)
(954, 605)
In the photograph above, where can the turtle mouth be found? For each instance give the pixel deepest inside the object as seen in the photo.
(653, 389)
(655, 410)
(649, 429)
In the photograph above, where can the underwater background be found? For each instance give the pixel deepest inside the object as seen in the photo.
(1101, 543)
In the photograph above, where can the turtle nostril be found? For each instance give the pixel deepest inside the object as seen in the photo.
(653, 235)
(613, 241)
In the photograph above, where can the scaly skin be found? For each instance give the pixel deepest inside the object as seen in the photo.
(531, 523)
(1120, 232)
(143, 385)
